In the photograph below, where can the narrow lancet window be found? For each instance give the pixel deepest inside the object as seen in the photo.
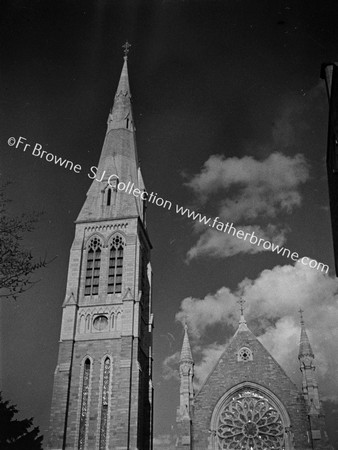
(115, 266)
(105, 404)
(84, 405)
(93, 267)
(108, 197)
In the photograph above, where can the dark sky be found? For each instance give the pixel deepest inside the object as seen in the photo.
(233, 78)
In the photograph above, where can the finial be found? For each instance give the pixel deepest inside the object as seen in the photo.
(242, 322)
(301, 316)
(126, 47)
(241, 302)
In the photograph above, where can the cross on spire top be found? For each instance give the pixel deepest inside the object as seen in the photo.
(241, 303)
(126, 47)
(301, 316)
(242, 322)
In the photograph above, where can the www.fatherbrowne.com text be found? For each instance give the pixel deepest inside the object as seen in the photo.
(229, 228)
(114, 182)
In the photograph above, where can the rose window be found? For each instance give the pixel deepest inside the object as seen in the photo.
(249, 421)
(245, 354)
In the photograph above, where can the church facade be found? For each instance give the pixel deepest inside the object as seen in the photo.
(248, 402)
(103, 393)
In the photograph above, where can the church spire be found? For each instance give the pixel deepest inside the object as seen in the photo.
(106, 332)
(306, 357)
(121, 113)
(304, 345)
(186, 355)
(117, 187)
(310, 389)
(185, 410)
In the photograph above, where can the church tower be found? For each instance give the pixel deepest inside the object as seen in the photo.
(103, 394)
(248, 402)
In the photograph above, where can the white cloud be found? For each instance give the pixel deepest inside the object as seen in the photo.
(277, 173)
(213, 309)
(208, 357)
(250, 190)
(272, 302)
(219, 244)
(170, 366)
(253, 202)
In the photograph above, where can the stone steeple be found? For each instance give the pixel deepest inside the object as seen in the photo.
(304, 345)
(185, 410)
(186, 355)
(121, 110)
(310, 391)
(117, 187)
(306, 357)
(103, 390)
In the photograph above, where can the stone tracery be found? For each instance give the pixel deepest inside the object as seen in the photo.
(249, 421)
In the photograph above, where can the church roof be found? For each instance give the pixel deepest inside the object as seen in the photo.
(245, 359)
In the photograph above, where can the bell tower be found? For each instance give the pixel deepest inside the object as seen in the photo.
(103, 393)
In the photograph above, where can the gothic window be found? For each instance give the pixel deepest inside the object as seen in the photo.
(115, 265)
(105, 404)
(93, 267)
(244, 354)
(84, 405)
(249, 421)
(108, 197)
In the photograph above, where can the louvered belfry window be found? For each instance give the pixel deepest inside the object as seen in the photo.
(93, 267)
(115, 265)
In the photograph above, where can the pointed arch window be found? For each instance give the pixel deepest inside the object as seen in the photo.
(84, 405)
(115, 265)
(93, 267)
(108, 197)
(105, 404)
